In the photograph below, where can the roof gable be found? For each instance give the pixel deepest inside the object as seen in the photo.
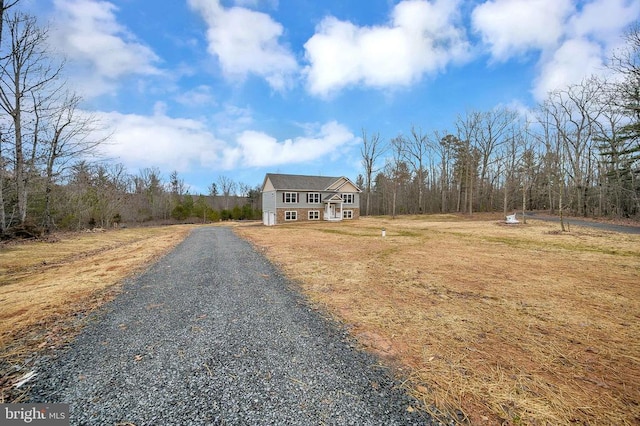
(267, 185)
(332, 197)
(344, 185)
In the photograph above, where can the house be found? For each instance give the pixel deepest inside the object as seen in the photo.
(290, 198)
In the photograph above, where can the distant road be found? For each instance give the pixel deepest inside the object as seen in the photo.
(625, 229)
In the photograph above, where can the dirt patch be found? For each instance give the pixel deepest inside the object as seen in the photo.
(505, 324)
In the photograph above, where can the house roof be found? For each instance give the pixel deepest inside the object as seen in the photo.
(332, 197)
(301, 182)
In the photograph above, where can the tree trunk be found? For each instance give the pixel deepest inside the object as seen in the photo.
(368, 195)
(505, 198)
(561, 209)
(48, 220)
(2, 211)
(524, 203)
(393, 204)
(470, 194)
(21, 177)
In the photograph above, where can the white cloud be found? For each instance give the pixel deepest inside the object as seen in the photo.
(180, 144)
(232, 120)
(421, 38)
(512, 27)
(199, 96)
(273, 4)
(257, 149)
(87, 32)
(572, 43)
(603, 19)
(247, 42)
(591, 36)
(570, 63)
(140, 141)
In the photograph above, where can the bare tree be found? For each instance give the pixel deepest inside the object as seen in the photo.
(396, 169)
(151, 198)
(493, 130)
(415, 149)
(466, 158)
(509, 162)
(444, 147)
(370, 151)
(554, 158)
(527, 170)
(25, 71)
(243, 189)
(547, 138)
(575, 112)
(95, 194)
(4, 6)
(228, 187)
(109, 191)
(67, 135)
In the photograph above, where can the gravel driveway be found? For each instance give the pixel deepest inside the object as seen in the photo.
(213, 334)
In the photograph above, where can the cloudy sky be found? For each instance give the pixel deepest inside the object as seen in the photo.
(244, 87)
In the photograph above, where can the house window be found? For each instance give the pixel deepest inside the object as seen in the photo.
(347, 214)
(347, 198)
(314, 215)
(291, 215)
(313, 198)
(290, 197)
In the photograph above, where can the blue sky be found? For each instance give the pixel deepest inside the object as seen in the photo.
(241, 88)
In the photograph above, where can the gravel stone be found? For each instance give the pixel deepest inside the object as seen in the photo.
(213, 334)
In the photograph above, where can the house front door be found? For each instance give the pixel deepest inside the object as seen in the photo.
(332, 212)
(329, 211)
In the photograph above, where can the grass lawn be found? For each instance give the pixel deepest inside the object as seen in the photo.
(520, 324)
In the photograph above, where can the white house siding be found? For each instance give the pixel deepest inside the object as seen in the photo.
(269, 209)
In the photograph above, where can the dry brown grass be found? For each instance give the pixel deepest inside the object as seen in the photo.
(44, 284)
(509, 324)
(515, 324)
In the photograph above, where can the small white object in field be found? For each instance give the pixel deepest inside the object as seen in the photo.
(512, 219)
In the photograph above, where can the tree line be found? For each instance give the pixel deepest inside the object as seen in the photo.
(578, 152)
(104, 194)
